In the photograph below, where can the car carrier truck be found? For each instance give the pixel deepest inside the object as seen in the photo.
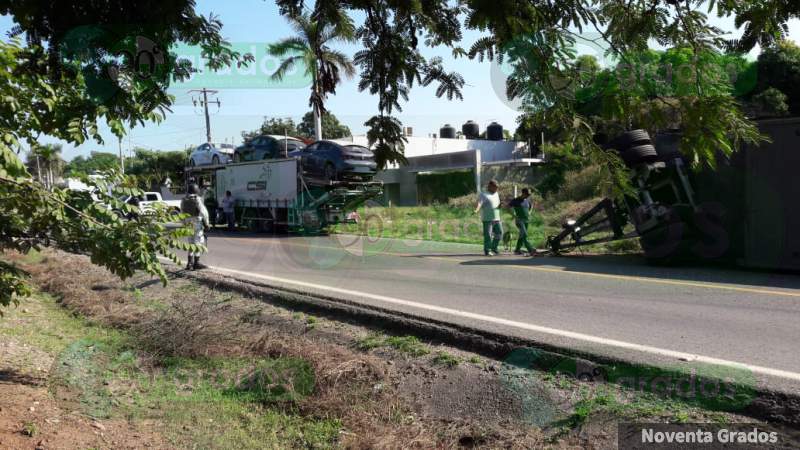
(274, 195)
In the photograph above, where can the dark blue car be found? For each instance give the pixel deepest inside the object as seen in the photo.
(333, 161)
(266, 147)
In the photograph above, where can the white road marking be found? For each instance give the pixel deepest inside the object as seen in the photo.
(525, 326)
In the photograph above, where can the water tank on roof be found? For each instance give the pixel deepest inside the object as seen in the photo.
(471, 130)
(494, 132)
(447, 132)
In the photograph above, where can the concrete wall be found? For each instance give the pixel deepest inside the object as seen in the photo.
(400, 186)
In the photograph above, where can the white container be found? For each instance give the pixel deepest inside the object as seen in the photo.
(267, 181)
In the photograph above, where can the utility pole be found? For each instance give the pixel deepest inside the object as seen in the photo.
(204, 103)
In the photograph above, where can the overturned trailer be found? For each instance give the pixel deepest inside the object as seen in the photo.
(275, 195)
(743, 212)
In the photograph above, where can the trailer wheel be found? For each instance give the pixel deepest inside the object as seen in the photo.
(639, 154)
(630, 139)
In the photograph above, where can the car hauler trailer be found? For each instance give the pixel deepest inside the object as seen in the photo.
(743, 212)
(274, 195)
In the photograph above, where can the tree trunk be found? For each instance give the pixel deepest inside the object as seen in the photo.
(317, 124)
(39, 169)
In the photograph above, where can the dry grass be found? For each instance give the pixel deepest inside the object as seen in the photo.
(186, 319)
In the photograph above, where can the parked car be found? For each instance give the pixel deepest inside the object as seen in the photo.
(334, 161)
(147, 201)
(211, 154)
(267, 147)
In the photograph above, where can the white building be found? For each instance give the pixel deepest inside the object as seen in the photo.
(431, 154)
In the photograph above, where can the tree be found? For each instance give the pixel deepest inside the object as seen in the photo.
(331, 127)
(391, 63)
(779, 68)
(390, 60)
(322, 64)
(276, 126)
(764, 21)
(152, 167)
(537, 36)
(61, 90)
(770, 102)
(95, 163)
(47, 162)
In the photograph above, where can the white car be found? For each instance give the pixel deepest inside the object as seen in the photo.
(147, 201)
(213, 154)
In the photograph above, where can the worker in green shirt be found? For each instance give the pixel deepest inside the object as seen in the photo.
(489, 207)
(522, 213)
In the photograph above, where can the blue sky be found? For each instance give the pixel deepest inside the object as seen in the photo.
(258, 22)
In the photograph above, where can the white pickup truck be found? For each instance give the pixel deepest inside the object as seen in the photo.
(147, 200)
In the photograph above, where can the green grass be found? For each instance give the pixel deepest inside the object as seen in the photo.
(311, 322)
(409, 345)
(48, 327)
(446, 359)
(371, 342)
(452, 224)
(441, 223)
(201, 402)
(611, 400)
(30, 429)
(235, 411)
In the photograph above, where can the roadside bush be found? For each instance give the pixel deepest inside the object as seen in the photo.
(580, 185)
(278, 380)
(506, 191)
(439, 187)
(556, 213)
(561, 159)
(464, 201)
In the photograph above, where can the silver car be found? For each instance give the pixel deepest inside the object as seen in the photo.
(213, 154)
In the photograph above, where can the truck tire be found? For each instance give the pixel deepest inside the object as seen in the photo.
(630, 139)
(237, 157)
(639, 154)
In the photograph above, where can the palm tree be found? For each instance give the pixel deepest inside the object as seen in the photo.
(49, 164)
(322, 63)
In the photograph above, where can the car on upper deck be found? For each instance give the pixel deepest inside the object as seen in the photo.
(336, 161)
(267, 147)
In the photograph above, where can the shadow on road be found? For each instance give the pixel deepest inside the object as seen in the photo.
(635, 265)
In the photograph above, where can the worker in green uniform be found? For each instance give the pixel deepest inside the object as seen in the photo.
(522, 214)
(489, 207)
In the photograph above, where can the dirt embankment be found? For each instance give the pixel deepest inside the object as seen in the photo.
(189, 364)
(384, 396)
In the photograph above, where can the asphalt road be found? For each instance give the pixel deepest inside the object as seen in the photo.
(610, 305)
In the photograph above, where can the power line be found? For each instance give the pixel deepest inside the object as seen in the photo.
(204, 103)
